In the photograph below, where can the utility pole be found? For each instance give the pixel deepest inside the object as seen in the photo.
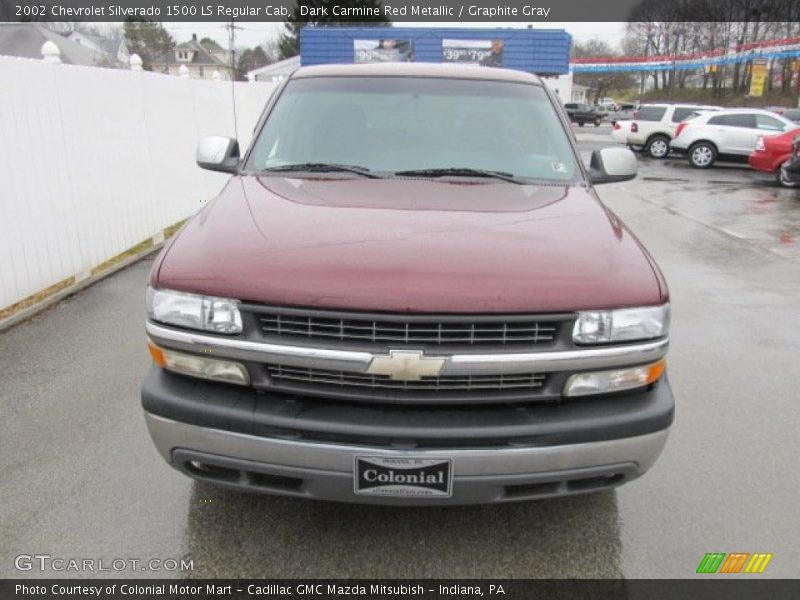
(232, 46)
(232, 52)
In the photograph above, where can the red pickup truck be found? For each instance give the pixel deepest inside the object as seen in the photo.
(408, 292)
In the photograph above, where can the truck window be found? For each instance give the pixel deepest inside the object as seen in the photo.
(389, 124)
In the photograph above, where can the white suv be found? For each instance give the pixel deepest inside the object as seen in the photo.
(653, 126)
(726, 135)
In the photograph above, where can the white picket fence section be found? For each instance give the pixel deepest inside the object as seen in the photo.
(94, 161)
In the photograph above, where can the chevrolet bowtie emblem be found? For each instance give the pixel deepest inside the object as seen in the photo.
(406, 365)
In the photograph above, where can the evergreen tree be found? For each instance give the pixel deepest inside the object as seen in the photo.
(250, 59)
(148, 39)
(289, 42)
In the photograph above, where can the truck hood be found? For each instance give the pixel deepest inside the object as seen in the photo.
(410, 245)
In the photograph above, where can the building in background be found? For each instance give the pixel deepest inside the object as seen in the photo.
(275, 71)
(540, 51)
(115, 49)
(26, 40)
(202, 60)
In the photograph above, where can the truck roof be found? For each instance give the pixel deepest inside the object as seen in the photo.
(433, 70)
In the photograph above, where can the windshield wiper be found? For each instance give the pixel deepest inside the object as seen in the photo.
(459, 171)
(318, 167)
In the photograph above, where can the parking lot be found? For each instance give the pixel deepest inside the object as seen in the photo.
(81, 478)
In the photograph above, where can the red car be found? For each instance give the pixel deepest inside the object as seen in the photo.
(771, 152)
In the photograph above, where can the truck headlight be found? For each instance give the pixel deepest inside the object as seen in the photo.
(628, 324)
(616, 380)
(220, 315)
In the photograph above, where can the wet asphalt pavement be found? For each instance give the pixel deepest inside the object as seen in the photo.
(80, 478)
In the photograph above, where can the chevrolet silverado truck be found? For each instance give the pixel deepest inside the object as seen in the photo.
(408, 292)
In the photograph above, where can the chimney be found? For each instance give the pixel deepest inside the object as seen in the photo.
(194, 37)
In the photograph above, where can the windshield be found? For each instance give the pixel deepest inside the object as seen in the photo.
(405, 124)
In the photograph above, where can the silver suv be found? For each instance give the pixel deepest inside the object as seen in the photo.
(729, 135)
(653, 126)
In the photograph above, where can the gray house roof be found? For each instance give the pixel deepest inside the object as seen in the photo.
(107, 44)
(201, 56)
(25, 40)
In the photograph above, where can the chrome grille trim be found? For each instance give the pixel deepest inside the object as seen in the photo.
(461, 383)
(457, 364)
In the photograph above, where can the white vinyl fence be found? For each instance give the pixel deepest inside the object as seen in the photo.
(94, 161)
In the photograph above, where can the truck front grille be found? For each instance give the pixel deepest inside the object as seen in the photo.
(398, 329)
(361, 383)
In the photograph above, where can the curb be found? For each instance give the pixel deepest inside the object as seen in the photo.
(31, 311)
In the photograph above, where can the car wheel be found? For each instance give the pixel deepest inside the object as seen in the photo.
(581, 124)
(702, 155)
(635, 147)
(597, 122)
(658, 146)
(784, 181)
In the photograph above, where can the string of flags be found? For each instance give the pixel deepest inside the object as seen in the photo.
(786, 48)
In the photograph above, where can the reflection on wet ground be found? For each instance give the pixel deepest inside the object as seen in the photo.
(255, 535)
(79, 476)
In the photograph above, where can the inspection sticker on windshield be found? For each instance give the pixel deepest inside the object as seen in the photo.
(402, 476)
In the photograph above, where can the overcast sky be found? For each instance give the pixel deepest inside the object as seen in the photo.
(252, 34)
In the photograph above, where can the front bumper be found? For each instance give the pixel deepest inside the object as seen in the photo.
(306, 448)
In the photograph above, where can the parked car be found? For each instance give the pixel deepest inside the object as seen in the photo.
(409, 292)
(653, 126)
(583, 113)
(771, 152)
(607, 105)
(793, 114)
(729, 135)
(624, 112)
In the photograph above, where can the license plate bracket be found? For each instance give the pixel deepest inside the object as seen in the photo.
(403, 476)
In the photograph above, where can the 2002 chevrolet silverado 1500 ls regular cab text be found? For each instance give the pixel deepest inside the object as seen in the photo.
(408, 293)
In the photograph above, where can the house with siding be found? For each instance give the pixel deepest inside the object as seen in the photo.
(202, 59)
(115, 49)
(25, 40)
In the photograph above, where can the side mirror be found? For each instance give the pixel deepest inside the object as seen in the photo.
(611, 165)
(218, 153)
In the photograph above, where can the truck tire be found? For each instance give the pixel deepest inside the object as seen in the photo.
(657, 146)
(597, 122)
(581, 123)
(702, 155)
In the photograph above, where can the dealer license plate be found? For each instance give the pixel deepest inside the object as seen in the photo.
(402, 476)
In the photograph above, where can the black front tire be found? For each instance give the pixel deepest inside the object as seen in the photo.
(597, 122)
(581, 124)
